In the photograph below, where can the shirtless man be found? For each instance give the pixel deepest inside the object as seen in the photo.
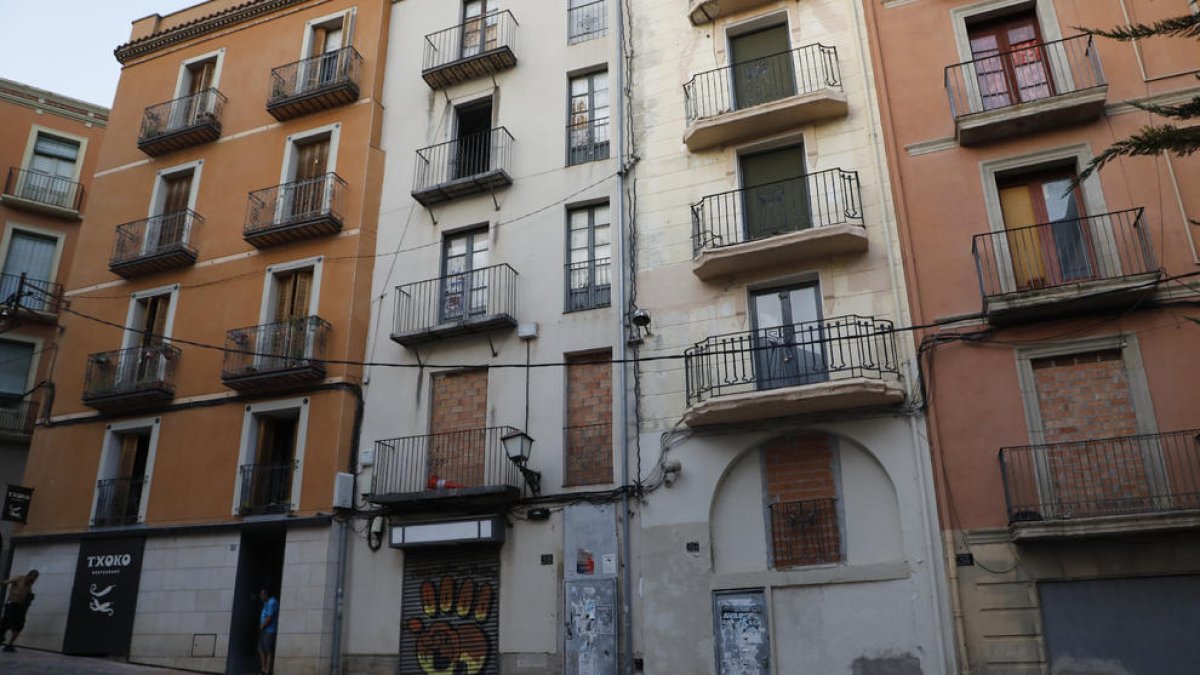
(19, 597)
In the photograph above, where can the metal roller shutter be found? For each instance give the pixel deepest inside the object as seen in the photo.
(450, 619)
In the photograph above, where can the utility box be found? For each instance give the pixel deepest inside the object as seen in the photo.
(590, 571)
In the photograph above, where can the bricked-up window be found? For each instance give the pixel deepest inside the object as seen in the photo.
(802, 501)
(458, 416)
(588, 434)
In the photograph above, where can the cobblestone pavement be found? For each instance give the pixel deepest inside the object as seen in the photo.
(32, 662)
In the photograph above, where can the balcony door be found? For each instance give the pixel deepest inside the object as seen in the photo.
(472, 152)
(464, 279)
(456, 454)
(787, 337)
(144, 366)
(479, 28)
(125, 491)
(1049, 240)
(32, 255)
(169, 229)
(762, 68)
(774, 193)
(196, 106)
(1010, 61)
(268, 485)
(308, 195)
(51, 177)
(287, 338)
(326, 47)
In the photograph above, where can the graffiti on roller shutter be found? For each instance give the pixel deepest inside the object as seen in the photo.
(450, 635)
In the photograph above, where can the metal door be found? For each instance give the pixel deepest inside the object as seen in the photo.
(450, 618)
(741, 633)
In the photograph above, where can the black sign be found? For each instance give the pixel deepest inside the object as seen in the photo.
(104, 599)
(16, 504)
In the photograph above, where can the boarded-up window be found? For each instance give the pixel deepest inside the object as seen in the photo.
(457, 427)
(588, 433)
(451, 611)
(802, 501)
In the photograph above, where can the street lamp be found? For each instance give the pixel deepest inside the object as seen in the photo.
(517, 445)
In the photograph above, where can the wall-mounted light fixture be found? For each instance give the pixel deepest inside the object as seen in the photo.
(518, 445)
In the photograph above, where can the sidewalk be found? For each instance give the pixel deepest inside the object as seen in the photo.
(31, 662)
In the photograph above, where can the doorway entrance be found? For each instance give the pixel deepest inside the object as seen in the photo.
(260, 565)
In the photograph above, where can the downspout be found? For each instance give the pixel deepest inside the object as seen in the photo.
(343, 543)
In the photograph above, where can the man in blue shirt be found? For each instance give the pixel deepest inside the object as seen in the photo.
(268, 626)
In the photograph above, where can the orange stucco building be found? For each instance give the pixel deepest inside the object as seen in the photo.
(1055, 348)
(202, 413)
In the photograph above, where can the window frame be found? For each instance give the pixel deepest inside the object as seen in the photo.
(38, 343)
(590, 207)
(35, 130)
(248, 446)
(59, 237)
(132, 335)
(158, 194)
(110, 454)
(182, 80)
(590, 150)
(347, 17)
(270, 293)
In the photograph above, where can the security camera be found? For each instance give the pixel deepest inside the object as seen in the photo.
(641, 318)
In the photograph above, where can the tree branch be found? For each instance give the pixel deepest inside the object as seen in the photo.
(1178, 26)
(1181, 141)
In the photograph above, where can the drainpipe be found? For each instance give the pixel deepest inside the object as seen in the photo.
(343, 542)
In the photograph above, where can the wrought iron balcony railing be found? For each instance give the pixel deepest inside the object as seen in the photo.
(315, 83)
(18, 417)
(36, 295)
(118, 501)
(1030, 72)
(789, 356)
(796, 72)
(587, 22)
(266, 488)
(1063, 253)
(456, 303)
(286, 350)
(479, 46)
(1126, 475)
(297, 210)
(44, 189)
(805, 532)
(443, 464)
(587, 141)
(467, 165)
(820, 199)
(182, 122)
(589, 284)
(144, 373)
(153, 244)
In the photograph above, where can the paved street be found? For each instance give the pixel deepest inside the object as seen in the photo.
(31, 662)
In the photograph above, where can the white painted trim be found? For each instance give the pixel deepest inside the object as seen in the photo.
(156, 195)
(110, 453)
(36, 129)
(246, 450)
(180, 80)
(38, 344)
(347, 16)
(287, 172)
(270, 287)
(59, 237)
(168, 330)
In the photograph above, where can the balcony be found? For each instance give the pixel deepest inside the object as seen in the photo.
(468, 165)
(453, 469)
(17, 419)
(587, 22)
(291, 212)
(1026, 90)
(275, 356)
(805, 532)
(314, 84)
(812, 216)
(762, 97)
(836, 364)
(118, 501)
(131, 379)
(456, 304)
(40, 300)
(1103, 487)
(478, 47)
(42, 193)
(266, 488)
(1065, 267)
(589, 285)
(181, 123)
(155, 244)
(704, 11)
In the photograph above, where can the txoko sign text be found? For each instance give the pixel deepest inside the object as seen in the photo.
(94, 561)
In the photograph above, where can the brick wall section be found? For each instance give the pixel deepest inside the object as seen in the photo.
(588, 436)
(1081, 397)
(458, 404)
(801, 491)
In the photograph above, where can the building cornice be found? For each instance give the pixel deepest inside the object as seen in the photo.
(200, 26)
(48, 101)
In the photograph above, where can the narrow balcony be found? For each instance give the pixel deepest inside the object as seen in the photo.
(762, 97)
(37, 299)
(131, 379)
(314, 84)
(587, 22)
(705, 11)
(1103, 487)
(276, 356)
(589, 285)
(42, 193)
(17, 419)
(456, 304)
(1023, 91)
(805, 532)
(266, 488)
(836, 364)
(464, 469)
(1067, 266)
(155, 244)
(181, 123)
(468, 165)
(478, 47)
(812, 216)
(304, 209)
(118, 501)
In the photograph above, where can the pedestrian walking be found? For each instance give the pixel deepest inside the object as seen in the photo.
(20, 596)
(268, 626)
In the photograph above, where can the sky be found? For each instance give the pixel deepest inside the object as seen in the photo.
(66, 46)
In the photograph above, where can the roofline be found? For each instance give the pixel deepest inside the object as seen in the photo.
(200, 26)
(42, 99)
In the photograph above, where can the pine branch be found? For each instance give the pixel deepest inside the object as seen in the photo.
(1179, 26)
(1180, 141)
(1181, 111)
